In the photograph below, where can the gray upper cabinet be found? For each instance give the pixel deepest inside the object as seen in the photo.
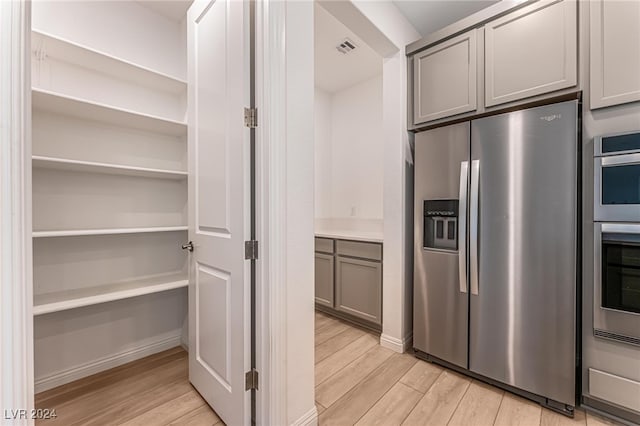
(531, 51)
(324, 279)
(359, 288)
(615, 52)
(444, 79)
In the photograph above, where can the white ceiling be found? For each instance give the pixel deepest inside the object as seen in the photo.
(428, 16)
(336, 71)
(175, 10)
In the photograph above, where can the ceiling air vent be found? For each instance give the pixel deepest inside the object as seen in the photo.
(346, 46)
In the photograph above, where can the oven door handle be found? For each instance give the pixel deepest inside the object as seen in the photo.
(620, 160)
(629, 230)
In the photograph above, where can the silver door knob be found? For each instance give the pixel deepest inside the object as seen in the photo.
(188, 246)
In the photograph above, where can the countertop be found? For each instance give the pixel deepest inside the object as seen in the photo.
(366, 236)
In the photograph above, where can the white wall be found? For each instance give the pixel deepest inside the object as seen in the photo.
(322, 153)
(79, 342)
(349, 152)
(117, 31)
(357, 150)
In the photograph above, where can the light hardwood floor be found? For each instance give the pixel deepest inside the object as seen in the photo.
(358, 382)
(152, 391)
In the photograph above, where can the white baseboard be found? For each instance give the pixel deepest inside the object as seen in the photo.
(396, 344)
(65, 376)
(310, 418)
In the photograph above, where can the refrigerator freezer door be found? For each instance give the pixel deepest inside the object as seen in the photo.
(440, 293)
(522, 320)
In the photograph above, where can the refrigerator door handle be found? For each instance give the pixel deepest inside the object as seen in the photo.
(473, 226)
(462, 227)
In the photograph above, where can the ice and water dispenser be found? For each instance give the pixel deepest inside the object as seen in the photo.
(440, 224)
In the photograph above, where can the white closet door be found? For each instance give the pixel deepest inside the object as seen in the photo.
(219, 279)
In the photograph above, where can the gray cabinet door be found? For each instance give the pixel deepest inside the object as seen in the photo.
(615, 52)
(359, 288)
(531, 51)
(324, 279)
(445, 79)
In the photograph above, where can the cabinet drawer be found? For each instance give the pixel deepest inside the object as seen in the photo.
(324, 245)
(356, 249)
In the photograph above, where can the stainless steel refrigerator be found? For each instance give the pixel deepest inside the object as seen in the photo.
(495, 271)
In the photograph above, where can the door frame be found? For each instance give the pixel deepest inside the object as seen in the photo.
(16, 290)
(281, 33)
(270, 184)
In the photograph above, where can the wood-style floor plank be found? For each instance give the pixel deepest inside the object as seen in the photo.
(340, 383)
(479, 406)
(169, 411)
(153, 390)
(392, 408)
(203, 416)
(93, 403)
(516, 411)
(352, 406)
(139, 404)
(322, 320)
(336, 362)
(440, 402)
(337, 342)
(99, 381)
(320, 408)
(328, 331)
(422, 376)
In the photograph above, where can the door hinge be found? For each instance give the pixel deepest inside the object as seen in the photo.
(251, 380)
(251, 117)
(251, 250)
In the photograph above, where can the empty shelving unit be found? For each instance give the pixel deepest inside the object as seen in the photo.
(109, 185)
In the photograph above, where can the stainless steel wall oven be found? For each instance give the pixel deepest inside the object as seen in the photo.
(616, 307)
(617, 281)
(617, 178)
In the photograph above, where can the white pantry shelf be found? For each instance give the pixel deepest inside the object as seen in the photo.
(70, 299)
(95, 111)
(53, 163)
(74, 53)
(107, 231)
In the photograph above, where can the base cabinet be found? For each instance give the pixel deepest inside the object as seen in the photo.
(324, 279)
(359, 288)
(348, 280)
